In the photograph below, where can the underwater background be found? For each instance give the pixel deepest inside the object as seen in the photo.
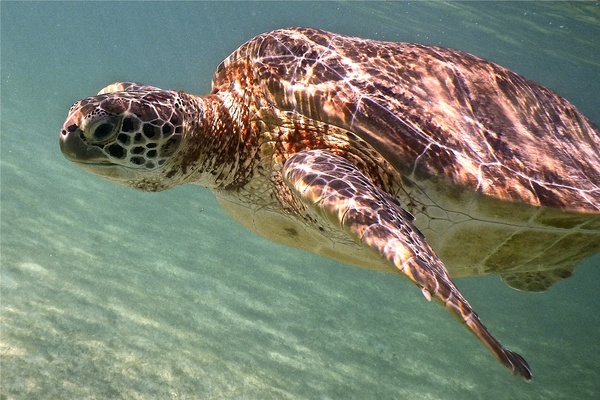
(109, 293)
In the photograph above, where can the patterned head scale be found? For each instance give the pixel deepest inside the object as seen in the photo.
(126, 135)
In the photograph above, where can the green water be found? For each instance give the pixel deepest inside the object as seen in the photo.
(108, 293)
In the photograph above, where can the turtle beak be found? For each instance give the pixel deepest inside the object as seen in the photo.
(89, 158)
(75, 149)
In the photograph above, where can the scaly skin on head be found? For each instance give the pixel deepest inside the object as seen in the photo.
(152, 139)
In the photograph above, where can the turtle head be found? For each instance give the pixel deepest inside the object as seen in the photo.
(128, 133)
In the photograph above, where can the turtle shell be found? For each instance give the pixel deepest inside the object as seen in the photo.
(433, 113)
(503, 175)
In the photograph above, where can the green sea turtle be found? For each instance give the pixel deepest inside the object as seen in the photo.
(333, 143)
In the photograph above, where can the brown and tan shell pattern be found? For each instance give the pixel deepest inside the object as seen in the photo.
(502, 174)
(433, 111)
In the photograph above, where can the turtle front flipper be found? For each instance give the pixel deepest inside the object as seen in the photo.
(337, 192)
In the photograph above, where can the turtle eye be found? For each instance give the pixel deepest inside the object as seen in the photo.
(103, 130)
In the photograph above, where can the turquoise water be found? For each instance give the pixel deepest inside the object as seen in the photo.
(110, 293)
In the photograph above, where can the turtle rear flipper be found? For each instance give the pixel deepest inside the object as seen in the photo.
(338, 192)
(532, 281)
